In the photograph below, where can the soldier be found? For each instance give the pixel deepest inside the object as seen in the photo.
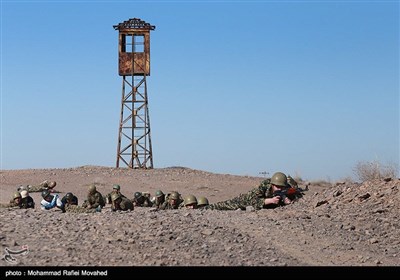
(26, 200)
(158, 199)
(51, 201)
(14, 202)
(201, 202)
(266, 195)
(120, 203)
(190, 202)
(45, 185)
(69, 199)
(141, 200)
(94, 199)
(116, 189)
(173, 200)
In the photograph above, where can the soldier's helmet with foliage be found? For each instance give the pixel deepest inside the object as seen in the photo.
(16, 195)
(190, 199)
(45, 193)
(115, 196)
(202, 201)
(279, 179)
(159, 193)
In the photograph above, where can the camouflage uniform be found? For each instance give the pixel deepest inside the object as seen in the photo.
(254, 197)
(11, 204)
(107, 198)
(158, 201)
(78, 209)
(167, 205)
(142, 201)
(124, 204)
(42, 186)
(14, 203)
(94, 200)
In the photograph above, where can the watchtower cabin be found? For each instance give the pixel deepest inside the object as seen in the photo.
(134, 140)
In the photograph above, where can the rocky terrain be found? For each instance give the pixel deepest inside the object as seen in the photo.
(338, 224)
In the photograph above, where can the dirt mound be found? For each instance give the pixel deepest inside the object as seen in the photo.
(346, 224)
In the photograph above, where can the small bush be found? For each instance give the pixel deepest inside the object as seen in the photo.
(374, 170)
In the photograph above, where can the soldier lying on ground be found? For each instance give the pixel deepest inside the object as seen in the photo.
(94, 199)
(116, 189)
(142, 199)
(120, 203)
(264, 196)
(14, 202)
(45, 185)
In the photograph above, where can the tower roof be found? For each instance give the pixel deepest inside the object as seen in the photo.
(134, 23)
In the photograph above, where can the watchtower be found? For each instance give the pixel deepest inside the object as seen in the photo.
(134, 140)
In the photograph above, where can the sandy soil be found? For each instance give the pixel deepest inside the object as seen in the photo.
(341, 224)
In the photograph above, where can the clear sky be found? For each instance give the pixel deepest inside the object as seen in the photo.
(309, 88)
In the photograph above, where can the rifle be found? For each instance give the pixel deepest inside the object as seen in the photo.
(292, 193)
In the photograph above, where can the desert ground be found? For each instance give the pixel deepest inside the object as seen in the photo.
(334, 224)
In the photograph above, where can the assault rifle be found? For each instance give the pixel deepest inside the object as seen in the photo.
(291, 193)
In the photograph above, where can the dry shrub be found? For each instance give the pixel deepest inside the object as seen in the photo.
(374, 170)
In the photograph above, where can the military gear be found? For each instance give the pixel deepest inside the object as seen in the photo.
(94, 199)
(116, 187)
(174, 195)
(16, 195)
(123, 204)
(190, 199)
(279, 179)
(92, 189)
(69, 199)
(69, 196)
(255, 197)
(138, 195)
(45, 193)
(24, 193)
(202, 201)
(27, 202)
(292, 182)
(115, 196)
(52, 184)
(159, 193)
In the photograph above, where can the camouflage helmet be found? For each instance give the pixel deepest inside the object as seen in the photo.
(92, 188)
(174, 195)
(52, 184)
(24, 193)
(115, 196)
(159, 193)
(45, 193)
(69, 196)
(202, 201)
(138, 195)
(190, 199)
(16, 195)
(116, 187)
(279, 179)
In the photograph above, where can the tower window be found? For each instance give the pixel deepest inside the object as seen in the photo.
(133, 43)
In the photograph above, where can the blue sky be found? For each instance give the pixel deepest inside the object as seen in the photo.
(309, 88)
